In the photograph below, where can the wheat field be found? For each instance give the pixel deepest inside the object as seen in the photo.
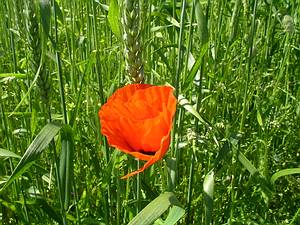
(234, 152)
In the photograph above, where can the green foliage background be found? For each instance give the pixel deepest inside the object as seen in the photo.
(235, 67)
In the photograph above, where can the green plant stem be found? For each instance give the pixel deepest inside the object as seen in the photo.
(138, 189)
(64, 111)
(250, 55)
(190, 185)
(180, 48)
(295, 218)
(11, 38)
(176, 81)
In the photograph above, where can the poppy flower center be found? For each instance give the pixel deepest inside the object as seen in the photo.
(146, 153)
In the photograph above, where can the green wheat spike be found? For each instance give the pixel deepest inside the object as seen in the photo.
(131, 24)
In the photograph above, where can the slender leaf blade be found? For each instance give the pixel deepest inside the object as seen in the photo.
(284, 172)
(66, 163)
(208, 188)
(195, 68)
(37, 146)
(114, 18)
(155, 209)
(16, 75)
(175, 214)
(8, 154)
(247, 164)
(45, 11)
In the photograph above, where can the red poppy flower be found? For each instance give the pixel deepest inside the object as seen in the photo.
(137, 120)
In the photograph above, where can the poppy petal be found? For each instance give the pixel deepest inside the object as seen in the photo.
(158, 155)
(137, 120)
(128, 91)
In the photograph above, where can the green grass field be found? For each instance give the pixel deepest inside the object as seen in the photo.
(234, 156)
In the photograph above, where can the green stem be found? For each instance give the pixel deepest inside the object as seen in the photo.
(59, 68)
(250, 50)
(176, 81)
(63, 105)
(138, 189)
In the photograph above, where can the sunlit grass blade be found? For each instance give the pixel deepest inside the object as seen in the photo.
(195, 68)
(16, 75)
(208, 188)
(8, 154)
(296, 218)
(45, 9)
(66, 163)
(284, 172)
(201, 21)
(29, 90)
(37, 146)
(257, 176)
(175, 214)
(247, 164)
(180, 52)
(87, 69)
(188, 106)
(155, 209)
(114, 17)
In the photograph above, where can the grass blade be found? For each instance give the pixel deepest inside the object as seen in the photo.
(45, 15)
(16, 75)
(66, 163)
(201, 22)
(8, 154)
(188, 106)
(284, 172)
(155, 209)
(114, 18)
(195, 68)
(257, 176)
(175, 214)
(49, 210)
(208, 188)
(33, 151)
(247, 164)
(29, 90)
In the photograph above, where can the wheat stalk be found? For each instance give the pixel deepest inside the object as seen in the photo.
(35, 46)
(131, 24)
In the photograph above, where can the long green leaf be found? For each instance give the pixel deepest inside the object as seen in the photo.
(208, 188)
(247, 164)
(201, 22)
(66, 163)
(29, 90)
(45, 11)
(259, 178)
(16, 75)
(175, 214)
(195, 68)
(155, 209)
(33, 151)
(284, 172)
(114, 17)
(188, 106)
(8, 154)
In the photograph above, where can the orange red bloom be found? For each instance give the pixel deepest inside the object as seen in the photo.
(137, 119)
